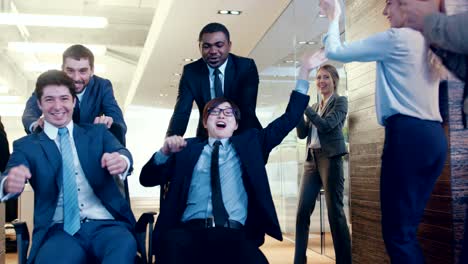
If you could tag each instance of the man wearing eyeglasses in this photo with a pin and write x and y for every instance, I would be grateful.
(219, 205)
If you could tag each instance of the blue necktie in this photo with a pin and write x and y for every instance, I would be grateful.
(71, 212)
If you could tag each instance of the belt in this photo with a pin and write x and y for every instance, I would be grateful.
(85, 220)
(209, 223)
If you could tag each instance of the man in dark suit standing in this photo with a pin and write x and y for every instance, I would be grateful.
(219, 205)
(217, 73)
(79, 212)
(4, 148)
(96, 102)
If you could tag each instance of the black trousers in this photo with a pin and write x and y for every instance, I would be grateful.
(207, 245)
(413, 157)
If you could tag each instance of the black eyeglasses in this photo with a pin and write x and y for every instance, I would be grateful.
(217, 111)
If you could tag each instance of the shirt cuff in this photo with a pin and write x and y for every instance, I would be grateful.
(160, 158)
(3, 196)
(31, 126)
(124, 174)
(302, 86)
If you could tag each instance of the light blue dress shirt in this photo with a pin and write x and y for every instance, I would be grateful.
(232, 187)
(404, 83)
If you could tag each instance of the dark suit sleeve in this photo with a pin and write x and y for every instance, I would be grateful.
(447, 32)
(4, 148)
(18, 157)
(111, 108)
(333, 118)
(302, 128)
(182, 109)
(276, 131)
(154, 175)
(31, 113)
(249, 90)
(111, 144)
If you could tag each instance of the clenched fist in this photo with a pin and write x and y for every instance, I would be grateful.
(16, 179)
(114, 163)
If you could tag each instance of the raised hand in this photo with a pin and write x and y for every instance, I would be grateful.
(310, 61)
(330, 8)
(173, 144)
(16, 179)
(114, 163)
(416, 10)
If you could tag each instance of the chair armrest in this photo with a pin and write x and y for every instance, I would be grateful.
(144, 229)
(22, 240)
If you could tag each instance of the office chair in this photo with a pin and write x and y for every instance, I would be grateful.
(143, 230)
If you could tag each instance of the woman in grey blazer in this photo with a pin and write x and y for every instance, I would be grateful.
(323, 166)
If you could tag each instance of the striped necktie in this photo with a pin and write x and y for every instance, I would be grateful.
(71, 212)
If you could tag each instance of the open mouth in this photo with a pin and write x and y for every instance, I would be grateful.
(220, 124)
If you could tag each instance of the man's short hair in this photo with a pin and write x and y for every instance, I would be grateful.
(53, 77)
(213, 103)
(78, 52)
(212, 28)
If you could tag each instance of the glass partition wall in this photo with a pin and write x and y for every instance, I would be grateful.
(298, 30)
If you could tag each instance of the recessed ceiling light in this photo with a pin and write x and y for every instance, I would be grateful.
(189, 60)
(306, 42)
(229, 12)
(177, 74)
(322, 16)
(53, 21)
(290, 61)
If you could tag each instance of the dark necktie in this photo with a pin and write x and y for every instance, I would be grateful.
(218, 87)
(219, 212)
(76, 111)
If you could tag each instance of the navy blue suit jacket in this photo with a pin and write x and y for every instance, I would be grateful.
(98, 99)
(40, 154)
(253, 147)
(240, 86)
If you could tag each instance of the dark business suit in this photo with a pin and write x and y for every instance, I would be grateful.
(98, 99)
(240, 86)
(40, 154)
(4, 148)
(324, 168)
(252, 147)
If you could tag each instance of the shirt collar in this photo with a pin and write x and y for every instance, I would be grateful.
(52, 131)
(80, 95)
(221, 68)
(225, 142)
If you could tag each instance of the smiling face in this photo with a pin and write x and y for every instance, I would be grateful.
(221, 121)
(57, 104)
(394, 13)
(325, 83)
(78, 70)
(215, 48)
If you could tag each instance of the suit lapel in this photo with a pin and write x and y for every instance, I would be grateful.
(81, 139)
(204, 81)
(329, 105)
(229, 74)
(52, 154)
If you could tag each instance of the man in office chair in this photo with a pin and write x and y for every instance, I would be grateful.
(219, 205)
(79, 213)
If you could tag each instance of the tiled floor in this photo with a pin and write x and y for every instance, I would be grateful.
(277, 253)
